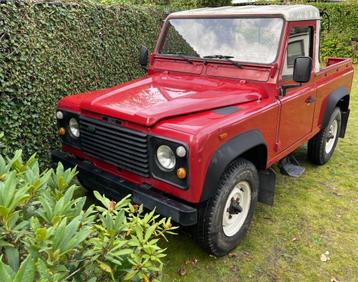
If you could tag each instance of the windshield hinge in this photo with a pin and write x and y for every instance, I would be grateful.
(273, 70)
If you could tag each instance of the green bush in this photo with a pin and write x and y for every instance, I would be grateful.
(46, 234)
(210, 3)
(336, 41)
(48, 51)
(170, 3)
(133, 2)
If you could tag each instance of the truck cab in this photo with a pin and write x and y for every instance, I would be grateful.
(228, 93)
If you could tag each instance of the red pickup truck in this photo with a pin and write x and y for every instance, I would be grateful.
(228, 93)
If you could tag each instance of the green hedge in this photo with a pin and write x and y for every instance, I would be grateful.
(172, 3)
(52, 50)
(48, 51)
(344, 25)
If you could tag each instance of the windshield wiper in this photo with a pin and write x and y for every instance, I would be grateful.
(223, 57)
(181, 55)
(218, 57)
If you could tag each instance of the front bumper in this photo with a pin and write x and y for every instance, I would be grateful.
(117, 188)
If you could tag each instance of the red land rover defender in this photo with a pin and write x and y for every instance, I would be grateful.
(229, 92)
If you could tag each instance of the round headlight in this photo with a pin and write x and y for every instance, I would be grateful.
(74, 127)
(166, 157)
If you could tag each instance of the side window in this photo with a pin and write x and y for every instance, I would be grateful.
(300, 43)
(294, 50)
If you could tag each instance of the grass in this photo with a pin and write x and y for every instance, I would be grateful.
(315, 213)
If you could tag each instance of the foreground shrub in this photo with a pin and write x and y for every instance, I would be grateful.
(46, 234)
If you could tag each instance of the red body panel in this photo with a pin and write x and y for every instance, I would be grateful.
(160, 96)
(176, 100)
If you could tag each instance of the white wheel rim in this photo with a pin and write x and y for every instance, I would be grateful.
(332, 135)
(232, 222)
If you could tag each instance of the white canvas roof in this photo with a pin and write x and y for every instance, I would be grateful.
(289, 12)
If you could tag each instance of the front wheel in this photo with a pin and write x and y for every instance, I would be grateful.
(224, 219)
(322, 146)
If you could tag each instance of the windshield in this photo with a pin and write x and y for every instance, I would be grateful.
(250, 40)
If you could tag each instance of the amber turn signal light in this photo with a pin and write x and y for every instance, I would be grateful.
(61, 131)
(181, 173)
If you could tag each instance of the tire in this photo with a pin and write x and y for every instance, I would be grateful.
(215, 231)
(321, 147)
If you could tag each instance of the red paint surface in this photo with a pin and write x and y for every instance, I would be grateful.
(176, 100)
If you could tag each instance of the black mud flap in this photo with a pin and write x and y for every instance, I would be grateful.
(267, 186)
(290, 166)
(345, 116)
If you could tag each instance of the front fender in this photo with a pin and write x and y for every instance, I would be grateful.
(226, 153)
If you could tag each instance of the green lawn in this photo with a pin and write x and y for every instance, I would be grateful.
(313, 214)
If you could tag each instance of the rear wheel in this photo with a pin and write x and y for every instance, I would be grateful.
(224, 219)
(321, 147)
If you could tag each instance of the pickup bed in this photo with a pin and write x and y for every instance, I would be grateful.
(228, 93)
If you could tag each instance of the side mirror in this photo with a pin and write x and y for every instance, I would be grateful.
(301, 73)
(302, 69)
(143, 57)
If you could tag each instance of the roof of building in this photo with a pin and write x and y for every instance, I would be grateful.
(289, 12)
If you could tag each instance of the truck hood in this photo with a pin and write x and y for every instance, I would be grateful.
(148, 100)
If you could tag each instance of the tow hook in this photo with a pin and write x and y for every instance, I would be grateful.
(234, 207)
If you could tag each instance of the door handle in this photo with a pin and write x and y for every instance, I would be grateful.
(310, 100)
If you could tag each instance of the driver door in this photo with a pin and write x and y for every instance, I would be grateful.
(298, 105)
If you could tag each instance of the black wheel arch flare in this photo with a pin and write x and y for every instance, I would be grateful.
(340, 98)
(227, 153)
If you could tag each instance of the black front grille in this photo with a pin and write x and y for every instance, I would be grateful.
(124, 148)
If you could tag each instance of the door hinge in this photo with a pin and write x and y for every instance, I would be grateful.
(277, 146)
